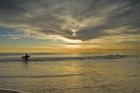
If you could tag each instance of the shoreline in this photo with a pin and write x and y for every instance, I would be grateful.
(8, 91)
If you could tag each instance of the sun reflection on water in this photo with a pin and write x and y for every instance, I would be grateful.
(73, 68)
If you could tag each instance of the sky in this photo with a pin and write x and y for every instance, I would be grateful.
(69, 25)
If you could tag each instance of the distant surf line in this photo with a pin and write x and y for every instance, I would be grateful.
(45, 76)
(117, 56)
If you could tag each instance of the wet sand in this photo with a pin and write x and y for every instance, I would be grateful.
(71, 76)
(8, 91)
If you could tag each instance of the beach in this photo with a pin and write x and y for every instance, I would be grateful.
(8, 91)
(89, 75)
(69, 46)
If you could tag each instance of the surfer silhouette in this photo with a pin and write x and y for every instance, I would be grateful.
(26, 57)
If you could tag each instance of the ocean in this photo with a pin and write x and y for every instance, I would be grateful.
(71, 73)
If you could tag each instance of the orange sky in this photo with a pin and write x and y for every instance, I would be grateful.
(69, 49)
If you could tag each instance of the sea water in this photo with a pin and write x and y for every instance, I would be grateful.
(68, 73)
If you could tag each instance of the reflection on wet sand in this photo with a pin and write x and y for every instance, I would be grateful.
(72, 76)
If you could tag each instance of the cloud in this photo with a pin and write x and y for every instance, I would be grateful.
(71, 20)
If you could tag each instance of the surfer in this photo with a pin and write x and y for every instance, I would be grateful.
(26, 57)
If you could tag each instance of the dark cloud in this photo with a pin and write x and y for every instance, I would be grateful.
(8, 4)
(91, 33)
(134, 1)
(11, 6)
(61, 17)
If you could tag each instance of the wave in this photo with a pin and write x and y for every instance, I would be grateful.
(53, 58)
(45, 76)
(9, 91)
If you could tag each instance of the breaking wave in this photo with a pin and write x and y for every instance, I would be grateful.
(16, 57)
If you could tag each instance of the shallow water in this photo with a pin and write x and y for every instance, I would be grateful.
(72, 76)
